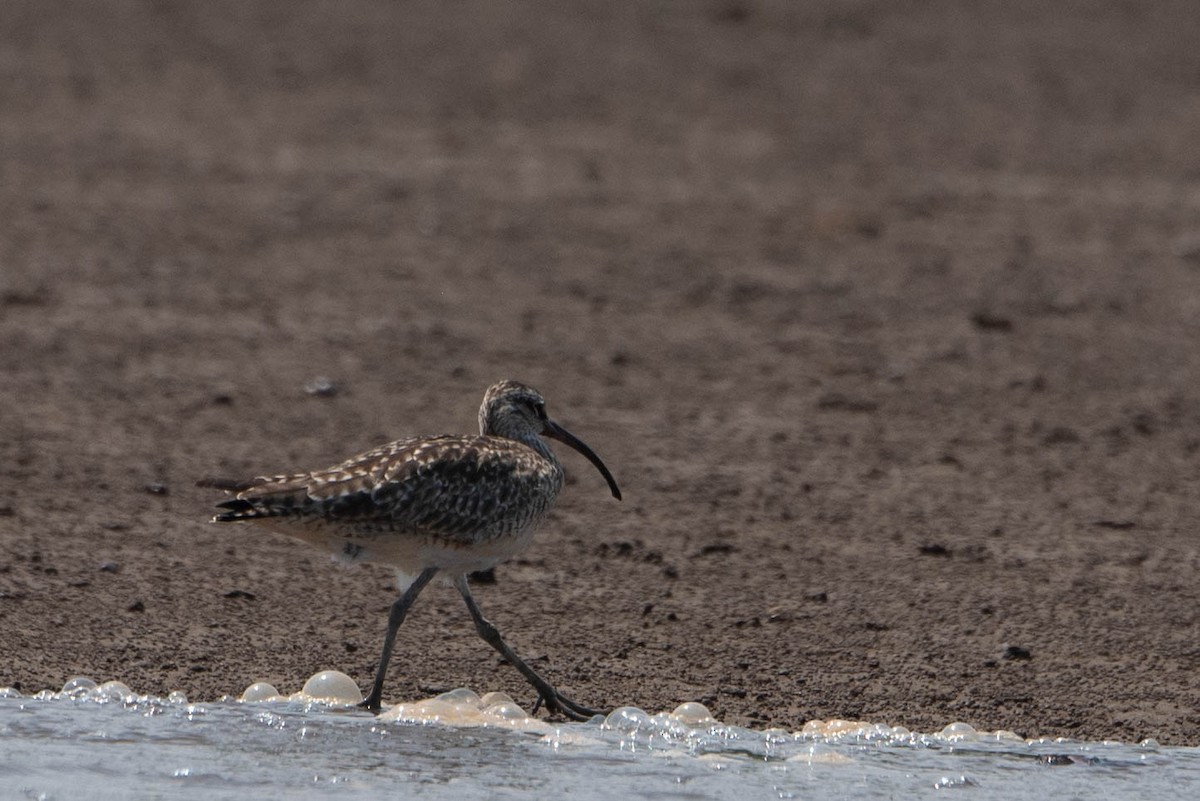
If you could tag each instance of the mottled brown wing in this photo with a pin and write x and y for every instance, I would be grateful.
(455, 487)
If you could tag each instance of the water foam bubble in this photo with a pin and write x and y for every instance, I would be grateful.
(494, 698)
(78, 686)
(434, 710)
(467, 697)
(332, 686)
(628, 719)
(693, 714)
(260, 691)
(464, 708)
(112, 691)
(960, 732)
(505, 711)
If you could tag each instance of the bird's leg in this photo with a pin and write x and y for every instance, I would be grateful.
(395, 618)
(554, 700)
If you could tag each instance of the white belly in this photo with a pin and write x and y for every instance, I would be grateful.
(410, 553)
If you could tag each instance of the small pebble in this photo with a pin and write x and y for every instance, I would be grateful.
(1017, 653)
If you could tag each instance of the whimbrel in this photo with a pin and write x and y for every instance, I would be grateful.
(448, 504)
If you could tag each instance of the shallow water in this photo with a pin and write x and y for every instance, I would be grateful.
(106, 742)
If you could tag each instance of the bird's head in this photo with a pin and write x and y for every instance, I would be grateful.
(513, 410)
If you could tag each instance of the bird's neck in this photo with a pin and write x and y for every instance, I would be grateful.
(538, 444)
(543, 447)
(525, 436)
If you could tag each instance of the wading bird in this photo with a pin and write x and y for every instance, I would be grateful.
(448, 504)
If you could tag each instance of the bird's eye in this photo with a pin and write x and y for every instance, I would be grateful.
(539, 409)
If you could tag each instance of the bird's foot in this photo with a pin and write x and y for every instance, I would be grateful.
(557, 703)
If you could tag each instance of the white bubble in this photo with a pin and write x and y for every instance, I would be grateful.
(431, 710)
(693, 714)
(495, 698)
(627, 718)
(260, 691)
(333, 686)
(835, 727)
(839, 726)
(78, 686)
(462, 696)
(114, 690)
(960, 731)
(177, 697)
(664, 721)
(506, 711)
(1006, 736)
(9, 692)
(464, 708)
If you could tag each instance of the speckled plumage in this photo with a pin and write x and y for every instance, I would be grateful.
(448, 503)
(402, 502)
(458, 503)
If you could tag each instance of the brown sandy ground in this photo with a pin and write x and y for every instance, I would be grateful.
(883, 313)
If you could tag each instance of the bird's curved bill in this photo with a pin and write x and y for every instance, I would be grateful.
(561, 434)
